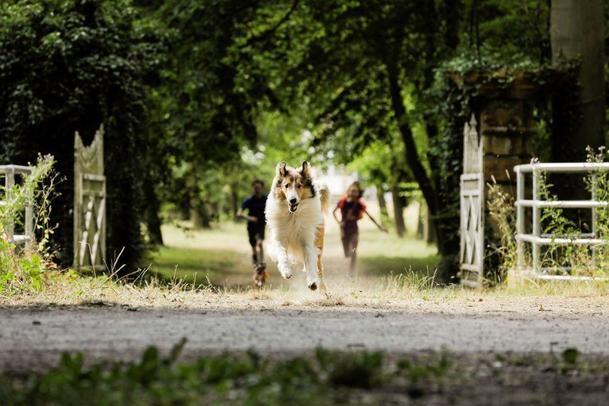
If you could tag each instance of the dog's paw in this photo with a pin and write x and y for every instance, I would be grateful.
(313, 284)
(285, 271)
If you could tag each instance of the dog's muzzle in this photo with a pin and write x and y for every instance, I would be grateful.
(292, 205)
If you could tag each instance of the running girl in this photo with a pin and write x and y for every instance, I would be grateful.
(352, 209)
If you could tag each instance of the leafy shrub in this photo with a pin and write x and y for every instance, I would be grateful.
(22, 270)
(329, 377)
(357, 370)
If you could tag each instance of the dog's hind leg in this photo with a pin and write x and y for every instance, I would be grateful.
(320, 275)
(319, 246)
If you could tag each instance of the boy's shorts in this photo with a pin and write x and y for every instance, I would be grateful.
(255, 232)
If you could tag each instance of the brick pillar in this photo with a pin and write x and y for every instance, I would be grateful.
(506, 129)
(498, 136)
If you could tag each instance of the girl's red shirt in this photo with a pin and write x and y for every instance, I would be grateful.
(359, 209)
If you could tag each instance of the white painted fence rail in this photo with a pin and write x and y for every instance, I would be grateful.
(536, 238)
(27, 238)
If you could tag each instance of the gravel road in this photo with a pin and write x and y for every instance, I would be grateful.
(33, 338)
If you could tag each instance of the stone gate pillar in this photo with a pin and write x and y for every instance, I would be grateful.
(498, 136)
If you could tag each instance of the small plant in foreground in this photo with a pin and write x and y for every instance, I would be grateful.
(358, 370)
(327, 377)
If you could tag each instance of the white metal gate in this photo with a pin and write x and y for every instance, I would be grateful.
(537, 238)
(26, 236)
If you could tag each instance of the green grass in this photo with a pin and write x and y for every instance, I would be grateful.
(193, 265)
(382, 266)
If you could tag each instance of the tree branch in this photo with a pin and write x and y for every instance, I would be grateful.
(266, 34)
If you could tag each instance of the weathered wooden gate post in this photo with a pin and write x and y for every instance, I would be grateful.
(497, 137)
(89, 203)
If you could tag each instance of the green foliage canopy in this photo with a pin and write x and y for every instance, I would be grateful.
(71, 65)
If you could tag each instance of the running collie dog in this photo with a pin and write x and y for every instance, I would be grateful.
(295, 216)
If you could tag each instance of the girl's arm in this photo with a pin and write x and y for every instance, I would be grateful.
(380, 226)
(334, 214)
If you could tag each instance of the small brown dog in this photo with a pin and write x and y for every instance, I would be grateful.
(260, 275)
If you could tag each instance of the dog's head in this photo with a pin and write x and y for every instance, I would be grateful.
(293, 185)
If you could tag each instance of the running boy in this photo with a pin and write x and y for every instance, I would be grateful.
(352, 209)
(256, 223)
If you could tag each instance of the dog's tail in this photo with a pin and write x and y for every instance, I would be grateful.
(324, 197)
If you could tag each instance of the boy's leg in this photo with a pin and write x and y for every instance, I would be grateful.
(253, 243)
(260, 245)
(260, 274)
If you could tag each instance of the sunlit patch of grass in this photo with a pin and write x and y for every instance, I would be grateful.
(380, 265)
(519, 286)
(193, 265)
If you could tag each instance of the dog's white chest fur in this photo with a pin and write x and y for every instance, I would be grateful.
(296, 230)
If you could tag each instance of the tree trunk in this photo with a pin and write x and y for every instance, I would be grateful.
(439, 196)
(234, 200)
(429, 234)
(452, 16)
(199, 214)
(577, 33)
(412, 155)
(153, 220)
(380, 194)
(419, 227)
(184, 209)
(398, 211)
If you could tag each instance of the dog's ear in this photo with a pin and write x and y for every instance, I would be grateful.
(281, 170)
(305, 170)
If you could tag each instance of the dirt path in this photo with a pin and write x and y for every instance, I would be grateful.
(34, 338)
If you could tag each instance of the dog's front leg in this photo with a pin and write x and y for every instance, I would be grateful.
(310, 261)
(278, 247)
